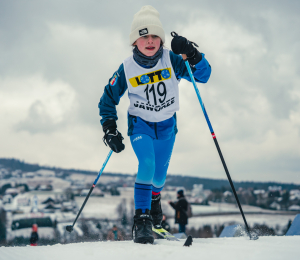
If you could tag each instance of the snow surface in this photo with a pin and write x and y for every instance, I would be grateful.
(210, 248)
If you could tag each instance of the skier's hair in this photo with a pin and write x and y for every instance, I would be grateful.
(161, 43)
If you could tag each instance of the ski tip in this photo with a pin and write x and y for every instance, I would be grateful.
(188, 241)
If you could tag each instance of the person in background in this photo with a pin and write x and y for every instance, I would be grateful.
(34, 235)
(114, 234)
(181, 207)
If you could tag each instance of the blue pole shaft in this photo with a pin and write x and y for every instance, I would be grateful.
(93, 186)
(217, 145)
(199, 97)
(103, 166)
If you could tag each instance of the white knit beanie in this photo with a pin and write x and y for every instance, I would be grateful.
(146, 21)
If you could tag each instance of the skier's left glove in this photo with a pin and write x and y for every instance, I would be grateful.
(112, 137)
(181, 45)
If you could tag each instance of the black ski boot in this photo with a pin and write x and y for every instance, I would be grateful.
(142, 227)
(156, 211)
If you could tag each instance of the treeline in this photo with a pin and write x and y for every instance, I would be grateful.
(15, 164)
(172, 180)
(223, 185)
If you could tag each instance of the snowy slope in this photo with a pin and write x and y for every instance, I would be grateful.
(213, 248)
(106, 207)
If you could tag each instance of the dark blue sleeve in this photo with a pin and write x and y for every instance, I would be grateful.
(113, 91)
(201, 70)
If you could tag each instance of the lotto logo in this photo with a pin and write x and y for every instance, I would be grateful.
(152, 77)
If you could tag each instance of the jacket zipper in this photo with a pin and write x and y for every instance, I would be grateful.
(155, 129)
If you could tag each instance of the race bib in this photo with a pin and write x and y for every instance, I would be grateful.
(153, 93)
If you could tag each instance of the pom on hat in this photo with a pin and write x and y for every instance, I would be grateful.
(146, 21)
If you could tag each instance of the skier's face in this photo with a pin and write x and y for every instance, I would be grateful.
(148, 44)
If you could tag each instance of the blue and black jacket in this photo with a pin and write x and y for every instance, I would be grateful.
(117, 86)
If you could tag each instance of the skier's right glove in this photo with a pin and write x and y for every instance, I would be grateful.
(112, 137)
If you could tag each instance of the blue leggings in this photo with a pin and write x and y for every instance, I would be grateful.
(154, 157)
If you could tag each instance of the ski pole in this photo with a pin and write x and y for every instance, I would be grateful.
(70, 227)
(218, 148)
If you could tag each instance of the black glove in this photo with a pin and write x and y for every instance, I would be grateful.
(181, 45)
(112, 137)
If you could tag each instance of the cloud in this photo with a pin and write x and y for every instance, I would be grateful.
(51, 105)
(58, 57)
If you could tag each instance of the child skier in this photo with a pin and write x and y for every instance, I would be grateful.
(151, 76)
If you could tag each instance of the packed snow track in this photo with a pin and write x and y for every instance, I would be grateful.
(212, 248)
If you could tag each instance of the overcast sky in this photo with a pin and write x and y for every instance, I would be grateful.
(57, 56)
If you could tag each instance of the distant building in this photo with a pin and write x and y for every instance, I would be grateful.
(199, 195)
(21, 225)
(16, 173)
(275, 205)
(227, 193)
(12, 191)
(45, 173)
(47, 187)
(294, 194)
(294, 207)
(28, 175)
(274, 188)
(259, 192)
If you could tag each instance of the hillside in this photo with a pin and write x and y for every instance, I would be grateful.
(172, 180)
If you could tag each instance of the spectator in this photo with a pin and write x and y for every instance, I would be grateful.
(34, 235)
(181, 207)
(114, 234)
